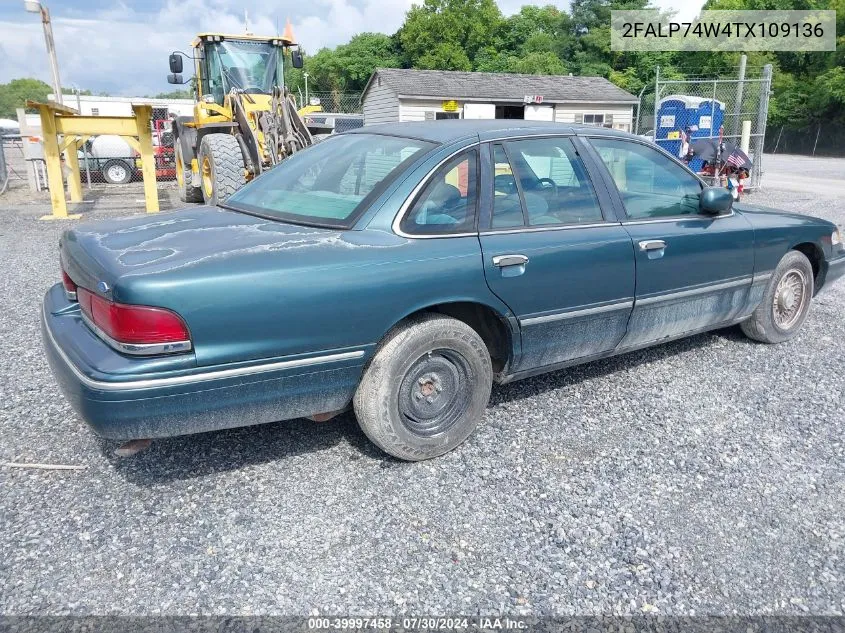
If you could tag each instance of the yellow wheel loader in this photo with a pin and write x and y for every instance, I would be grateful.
(244, 122)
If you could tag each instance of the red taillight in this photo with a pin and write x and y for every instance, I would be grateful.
(132, 324)
(70, 287)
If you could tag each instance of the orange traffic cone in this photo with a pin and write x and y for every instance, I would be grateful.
(288, 34)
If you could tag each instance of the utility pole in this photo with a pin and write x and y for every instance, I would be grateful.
(305, 76)
(35, 6)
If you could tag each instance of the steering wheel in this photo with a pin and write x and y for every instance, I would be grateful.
(548, 186)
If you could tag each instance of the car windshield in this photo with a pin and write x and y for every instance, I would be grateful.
(331, 183)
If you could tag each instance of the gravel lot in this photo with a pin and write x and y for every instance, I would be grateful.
(702, 476)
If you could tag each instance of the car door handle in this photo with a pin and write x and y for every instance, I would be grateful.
(652, 245)
(509, 260)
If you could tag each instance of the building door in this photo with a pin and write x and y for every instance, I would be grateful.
(565, 271)
(693, 270)
(479, 110)
(539, 113)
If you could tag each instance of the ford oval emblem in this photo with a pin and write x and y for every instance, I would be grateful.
(103, 287)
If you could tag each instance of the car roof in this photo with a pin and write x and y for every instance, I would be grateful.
(450, 130)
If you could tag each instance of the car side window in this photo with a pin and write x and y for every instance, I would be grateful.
(554, 183)
(651, 185)
(447, 204)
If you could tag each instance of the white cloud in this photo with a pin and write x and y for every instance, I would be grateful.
(124, 51)
(685, 10)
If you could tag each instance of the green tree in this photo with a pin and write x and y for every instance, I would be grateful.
(537, 28)
(15, 94)
(538, 63)
(362, 55)
(347, 67)
(445, 56)
(448, 33)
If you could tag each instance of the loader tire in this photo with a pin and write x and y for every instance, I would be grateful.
(187, 192)
(221, 167)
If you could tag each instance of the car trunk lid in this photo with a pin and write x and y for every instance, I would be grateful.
(99, 255)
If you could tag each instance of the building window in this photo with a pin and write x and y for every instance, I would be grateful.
(446, 115)
(600, 120)
(95, 111)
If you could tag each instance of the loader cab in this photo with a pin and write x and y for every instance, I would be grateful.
(241, 63)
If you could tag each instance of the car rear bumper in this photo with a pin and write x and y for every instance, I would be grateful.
(125, 403)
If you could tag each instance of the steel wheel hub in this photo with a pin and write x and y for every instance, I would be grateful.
(207, 183)
(434, 393)
(116, 172)
(789, 299)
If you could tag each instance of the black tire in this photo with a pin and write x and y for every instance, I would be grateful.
(187, 192)
(117, 171)
(221, 167)
(791, 286)
(425, 389)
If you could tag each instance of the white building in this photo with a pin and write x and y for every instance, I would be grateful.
(92, 105)
(393, 94)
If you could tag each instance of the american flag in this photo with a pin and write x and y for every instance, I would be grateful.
(738, 158)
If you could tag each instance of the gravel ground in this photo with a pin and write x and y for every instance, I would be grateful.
(705, 476)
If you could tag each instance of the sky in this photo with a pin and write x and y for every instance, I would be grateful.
(121, 46)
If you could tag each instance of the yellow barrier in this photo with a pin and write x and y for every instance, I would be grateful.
(63, 130)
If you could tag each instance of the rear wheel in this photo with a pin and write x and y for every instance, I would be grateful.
(221, 167)
(785, 303)
(117, 172)
(425, 389)
(187, 192)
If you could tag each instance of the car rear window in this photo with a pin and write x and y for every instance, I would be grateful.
(330, 183)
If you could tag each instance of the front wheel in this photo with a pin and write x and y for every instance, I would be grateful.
(425, 389)
(785, 303)
(221, 167)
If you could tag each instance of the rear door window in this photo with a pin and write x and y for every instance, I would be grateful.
(448, 202)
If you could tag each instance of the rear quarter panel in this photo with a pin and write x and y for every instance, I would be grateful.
(370, 280)
(271, 291)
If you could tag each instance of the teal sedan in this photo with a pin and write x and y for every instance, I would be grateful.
(402, 269)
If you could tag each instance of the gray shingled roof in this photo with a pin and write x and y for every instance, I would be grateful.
(450, 84)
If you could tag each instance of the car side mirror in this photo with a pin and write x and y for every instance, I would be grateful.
(296, 58)
(174, 79)
(716, 201)
(175, 63)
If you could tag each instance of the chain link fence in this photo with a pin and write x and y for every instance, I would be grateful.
(109, 160)
(12, 164)
(110, 168)
(820, 139)
(734, 109)
(106, 161)
(336, 102)
(4, 169)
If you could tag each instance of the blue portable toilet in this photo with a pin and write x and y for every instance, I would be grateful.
(676, 113)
